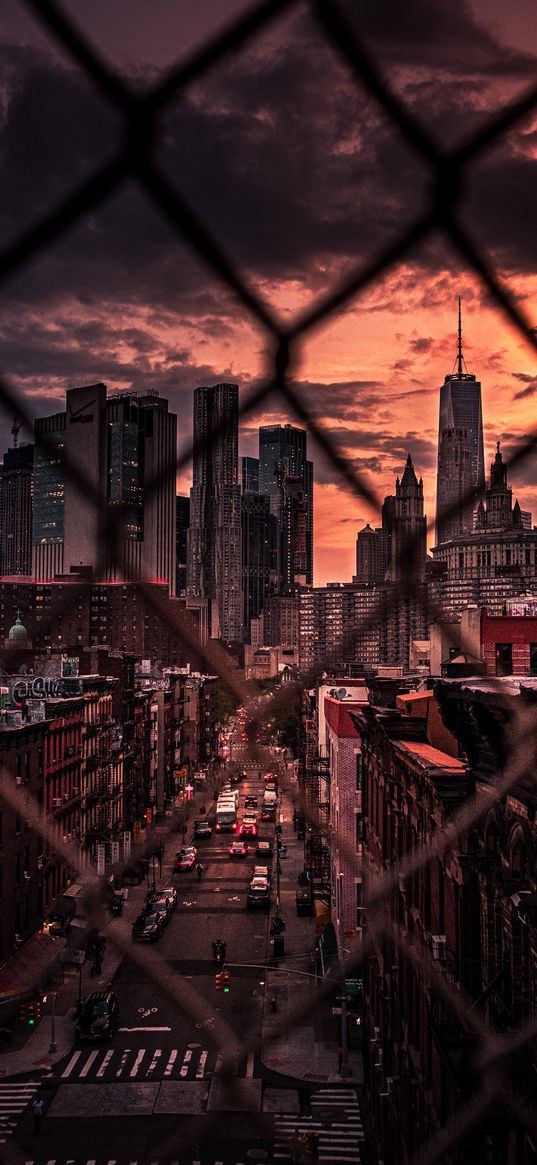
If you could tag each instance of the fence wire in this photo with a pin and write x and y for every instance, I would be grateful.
(136, 159)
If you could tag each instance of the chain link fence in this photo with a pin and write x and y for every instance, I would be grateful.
(136, 159)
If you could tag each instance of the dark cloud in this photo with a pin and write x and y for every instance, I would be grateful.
(422, 344)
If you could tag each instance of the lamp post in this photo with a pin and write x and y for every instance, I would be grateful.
(52, 1046)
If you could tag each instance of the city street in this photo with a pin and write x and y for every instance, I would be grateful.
(157, 1092)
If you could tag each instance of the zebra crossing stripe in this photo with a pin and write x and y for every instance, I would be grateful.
(71, 1065)
(103, 1068)
(186, 1061)
(201, 1066)
(92, 1056)
(169, 1066)
(123, 1061)
(156, 1056)
(139, 1057)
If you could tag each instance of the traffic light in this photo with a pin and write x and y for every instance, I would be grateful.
(30, 1013)
(227, 981)
(219, 980)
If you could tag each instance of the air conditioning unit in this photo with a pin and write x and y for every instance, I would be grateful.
(57, 802)
(402, 883)
(26, 876)
(376, 1036)
(18, 780)
(75, 791)
(40, 862)
(388, 1089)
(66, 796)
(439, 947)
(378, 1062)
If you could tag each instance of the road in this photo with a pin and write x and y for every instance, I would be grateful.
(157, 1092)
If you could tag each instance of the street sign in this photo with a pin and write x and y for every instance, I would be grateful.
(115, 852)
(336, 1011)
(126, 843)
(101, 850)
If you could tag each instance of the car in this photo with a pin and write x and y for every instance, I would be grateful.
(259, 882)
(263, 851)
(250, 818)
(262, 872)
(248, 828)
(202, 829)
(258, 898)
(271, 788)
(268, 813)
(268, 776)
(99, 1017)
(185, 859)
(150, 929)
(250, 802)
(159, 906)
(170, 893)
(238, 849)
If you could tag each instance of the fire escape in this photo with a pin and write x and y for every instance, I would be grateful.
(316, 844)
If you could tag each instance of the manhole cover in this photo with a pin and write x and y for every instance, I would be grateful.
(257, 1154)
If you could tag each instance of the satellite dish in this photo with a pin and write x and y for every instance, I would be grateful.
(341, 693)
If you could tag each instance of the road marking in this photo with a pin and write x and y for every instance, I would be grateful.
(102, 1070)
(169, 1066)
(137, 1062)
(92, 1056)
(156, 1056)
(123, 1061)
(71, 1065)
(144, 1029)
(250, 1064)
(201, 1065)
(186, 1061)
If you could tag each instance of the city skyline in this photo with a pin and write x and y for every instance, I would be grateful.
(101, 309)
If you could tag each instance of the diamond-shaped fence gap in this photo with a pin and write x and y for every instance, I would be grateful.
(424, 69)
(282, 154)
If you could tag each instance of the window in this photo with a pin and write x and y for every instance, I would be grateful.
(358, 771)
(504, 659)
(533, 659)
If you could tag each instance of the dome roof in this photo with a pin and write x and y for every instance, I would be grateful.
(17, 631)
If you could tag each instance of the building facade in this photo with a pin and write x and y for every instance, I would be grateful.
(214, 537)
(460, 455)
(16, 502)
(282, 458)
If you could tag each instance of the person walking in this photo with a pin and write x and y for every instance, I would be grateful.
(38, 1108)
(199, 870)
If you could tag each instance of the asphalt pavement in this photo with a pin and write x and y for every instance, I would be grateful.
(192, 1074)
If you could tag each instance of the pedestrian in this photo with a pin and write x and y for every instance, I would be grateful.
(38, 1108)
(199, 871)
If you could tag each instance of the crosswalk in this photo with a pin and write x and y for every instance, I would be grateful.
(138, 1064)
(335, 1117)
(14, 1098)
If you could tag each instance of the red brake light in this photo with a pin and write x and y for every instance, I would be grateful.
(217, 826)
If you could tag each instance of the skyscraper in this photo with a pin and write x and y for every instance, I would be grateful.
(250, 475)
(181, 534)
(461, 413)
(214, 569)
(17, 479)
(125, 447)
(259, 555)
(282, 455)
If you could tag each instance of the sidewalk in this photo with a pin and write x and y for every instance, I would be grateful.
(33, 1053)
(307, 1050)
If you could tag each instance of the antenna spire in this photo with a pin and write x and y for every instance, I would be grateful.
(459, 350)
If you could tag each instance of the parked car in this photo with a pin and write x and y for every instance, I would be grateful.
(99, 1017)
(258, 898)
(170, 893)
(185, 859)
(149, 929)
(202, 829)
(159, 906)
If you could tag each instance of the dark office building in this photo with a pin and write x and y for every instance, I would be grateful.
(16, 484)
(124, 446)
(283, 454)
(181, 533)
(259, 555)
(250, 475)
(461, 414)
(215, 538)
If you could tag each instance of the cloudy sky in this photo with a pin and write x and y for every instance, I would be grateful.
(301, 177)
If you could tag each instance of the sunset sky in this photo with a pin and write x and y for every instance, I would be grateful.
(301, 177)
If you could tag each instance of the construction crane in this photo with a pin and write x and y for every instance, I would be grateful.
(15, 430)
